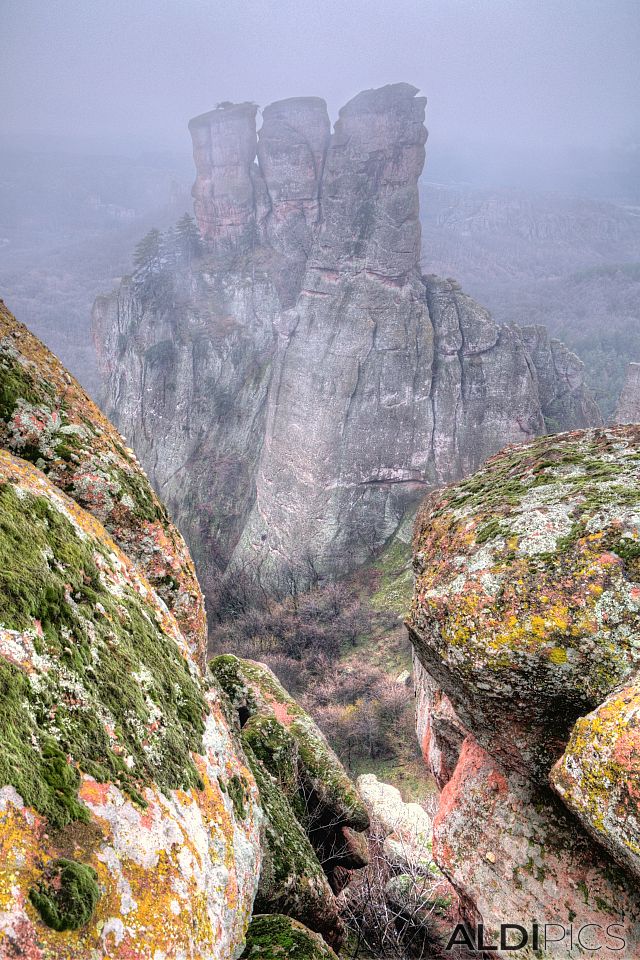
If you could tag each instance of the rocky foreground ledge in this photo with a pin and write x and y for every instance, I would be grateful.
(147, 806)
(526, 629)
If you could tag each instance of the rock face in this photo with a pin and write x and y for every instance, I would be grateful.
(47, 418)
(310, 804)
(524, 623)
(293, 391)
(628, 409)
(117, 825)
(135, 817)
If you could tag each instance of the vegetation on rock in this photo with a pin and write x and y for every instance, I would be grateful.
(281, 938)
(47, 418)
(67, 896)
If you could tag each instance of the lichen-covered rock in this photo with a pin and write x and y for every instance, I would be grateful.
(598, 776)
(48, 419)
(294, 740)
(281, 938)
(292, 880)
(312, 808)
(314, 812)
(525, 626)
(129, 820)
(527, 599)
(514, 853)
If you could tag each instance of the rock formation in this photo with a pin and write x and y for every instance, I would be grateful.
(298, 387)
(628, 408)
(524, 623)
(141, 810)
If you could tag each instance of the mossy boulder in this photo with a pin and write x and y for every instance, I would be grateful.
(526, 608)
(129, 819)
(292, 880)
(47, 418)
(313, 809)
(598, 776)
(281, 938)
(258, 697)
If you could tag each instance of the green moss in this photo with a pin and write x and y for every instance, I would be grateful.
(68, 895)
(227, 670)
(106, 657)
(236, 788)
(319, 768)
(15, 384)
(277, 937)
(490, 530)
(291, 873)
(136, 487)
(274, 746)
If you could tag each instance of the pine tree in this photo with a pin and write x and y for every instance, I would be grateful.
(189, 237)
(146, 256)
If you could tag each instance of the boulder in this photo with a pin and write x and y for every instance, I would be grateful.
(405, 827)
(527, 597)
(48, 419)
(598, 775)
(315, 816)
(514, 855)
(277, 937)
(524, 624)
(128, 814)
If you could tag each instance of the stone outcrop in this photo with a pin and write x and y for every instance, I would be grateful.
(297, 388)
(313, 810)
(628, 408)
(46, 417)
(117, 825)
(524, 624)
(137, 818)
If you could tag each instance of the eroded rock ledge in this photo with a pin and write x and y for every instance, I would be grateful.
(525, 627)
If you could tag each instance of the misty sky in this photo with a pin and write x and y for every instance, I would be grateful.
(542, 74)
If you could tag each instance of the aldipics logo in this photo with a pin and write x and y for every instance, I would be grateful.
(553, 937)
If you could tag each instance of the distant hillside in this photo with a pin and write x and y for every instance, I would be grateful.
(68, 225)
(570, 263)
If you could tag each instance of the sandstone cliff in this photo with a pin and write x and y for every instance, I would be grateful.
(145, 808)
(524, 624)
(300, 385)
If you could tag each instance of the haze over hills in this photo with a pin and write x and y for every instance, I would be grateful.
(572, 263)
(528, 252)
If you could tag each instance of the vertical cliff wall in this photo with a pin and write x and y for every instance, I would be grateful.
(298, 386)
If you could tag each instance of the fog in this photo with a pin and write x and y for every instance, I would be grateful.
(515, 87)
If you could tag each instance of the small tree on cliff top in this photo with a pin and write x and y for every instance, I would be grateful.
(188, 237)
(147, 254)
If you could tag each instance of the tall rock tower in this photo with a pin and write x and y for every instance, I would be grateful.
(297, 388)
